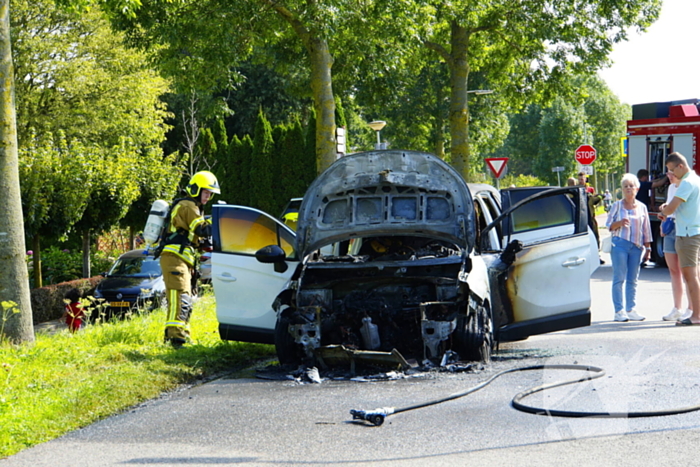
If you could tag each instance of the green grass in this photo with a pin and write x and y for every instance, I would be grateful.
(67, 381)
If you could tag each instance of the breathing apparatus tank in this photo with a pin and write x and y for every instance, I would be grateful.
(155, 222)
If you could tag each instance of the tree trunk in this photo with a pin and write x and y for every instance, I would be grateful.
(459, 109)
(439, 124)
(321, 85)
(36, 259)
(324, 103)
(14, 281)
(132, 238)
(86, 254)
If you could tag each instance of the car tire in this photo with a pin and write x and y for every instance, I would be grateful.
(474, 333)
(285, 346)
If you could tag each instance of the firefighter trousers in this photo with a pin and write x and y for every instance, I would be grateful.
(177, 276)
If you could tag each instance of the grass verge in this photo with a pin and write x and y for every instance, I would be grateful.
(67, 381)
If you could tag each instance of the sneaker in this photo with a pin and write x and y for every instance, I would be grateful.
(688, 313)
(621, 316)
(674, 315)
(634, 316)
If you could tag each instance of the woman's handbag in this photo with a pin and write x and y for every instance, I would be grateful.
(668, 226)
(606, 243)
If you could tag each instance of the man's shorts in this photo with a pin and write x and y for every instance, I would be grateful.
(687, 249)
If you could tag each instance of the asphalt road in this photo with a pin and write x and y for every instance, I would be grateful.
(242, 420)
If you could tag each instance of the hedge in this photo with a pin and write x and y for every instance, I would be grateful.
(47, 302)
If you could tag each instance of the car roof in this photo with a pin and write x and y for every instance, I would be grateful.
(135, 254)
(479, 187)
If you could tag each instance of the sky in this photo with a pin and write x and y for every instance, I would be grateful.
(661, 64)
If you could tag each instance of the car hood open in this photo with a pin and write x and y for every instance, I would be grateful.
(386, 193)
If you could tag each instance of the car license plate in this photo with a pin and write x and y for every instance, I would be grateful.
(119, 304)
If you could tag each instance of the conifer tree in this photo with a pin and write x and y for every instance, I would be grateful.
(261, 195)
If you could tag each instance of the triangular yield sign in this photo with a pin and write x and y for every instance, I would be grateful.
(496, 164)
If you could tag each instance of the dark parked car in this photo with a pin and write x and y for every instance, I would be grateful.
(135, 280)
(395, 257)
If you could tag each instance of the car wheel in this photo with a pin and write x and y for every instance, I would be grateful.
(474, 333)
(285, 346)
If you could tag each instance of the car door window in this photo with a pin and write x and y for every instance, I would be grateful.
(246, 231)
(543, 219)
(489, 211)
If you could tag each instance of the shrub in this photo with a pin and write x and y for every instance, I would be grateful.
(47, 302)
(60, 265)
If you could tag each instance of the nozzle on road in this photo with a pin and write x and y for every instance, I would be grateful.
(375, 417)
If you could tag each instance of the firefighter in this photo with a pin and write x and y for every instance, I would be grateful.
(186, 231)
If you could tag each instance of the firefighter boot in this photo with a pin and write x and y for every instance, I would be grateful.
(177, 326)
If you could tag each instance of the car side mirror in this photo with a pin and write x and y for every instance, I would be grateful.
(272, 254)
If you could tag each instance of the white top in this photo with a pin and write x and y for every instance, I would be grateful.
(670, 193)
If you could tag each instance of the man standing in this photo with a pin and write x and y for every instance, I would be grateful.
(187, 226)
(583, 181)
(686, 205)
(646, 188)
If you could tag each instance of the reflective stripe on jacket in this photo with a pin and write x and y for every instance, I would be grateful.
(185, 218)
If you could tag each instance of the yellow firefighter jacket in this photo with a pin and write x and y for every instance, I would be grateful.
(186, 221)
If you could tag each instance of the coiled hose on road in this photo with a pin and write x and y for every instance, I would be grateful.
(377, 416)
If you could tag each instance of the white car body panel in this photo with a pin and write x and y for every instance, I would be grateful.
(550, 278)
(245, 289)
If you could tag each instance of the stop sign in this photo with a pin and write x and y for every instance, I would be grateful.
(585, 154)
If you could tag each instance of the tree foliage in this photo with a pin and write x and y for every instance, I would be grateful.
(545, 137)
(527, 50)
(80, 82)
(260, 183)
(75, 76)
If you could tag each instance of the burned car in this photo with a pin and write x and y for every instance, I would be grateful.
(395, 257)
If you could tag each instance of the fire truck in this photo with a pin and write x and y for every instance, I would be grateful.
(656, 130)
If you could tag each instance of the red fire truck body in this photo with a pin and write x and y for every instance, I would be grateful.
(656, 130)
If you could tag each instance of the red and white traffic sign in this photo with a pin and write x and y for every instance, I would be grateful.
(586, 154)
(497, 165)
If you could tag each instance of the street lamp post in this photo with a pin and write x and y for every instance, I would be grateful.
(377, 126)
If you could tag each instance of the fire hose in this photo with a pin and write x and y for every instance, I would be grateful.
(377, 416)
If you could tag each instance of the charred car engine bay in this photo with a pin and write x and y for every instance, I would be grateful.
(398, 296)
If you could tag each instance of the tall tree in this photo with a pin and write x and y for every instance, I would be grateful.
(560, 133)
(260, 184)
(114, 189)
(76, 78)
(56, 181)
(525, 48)
(75, 75)
(545, 137)
(14, 283)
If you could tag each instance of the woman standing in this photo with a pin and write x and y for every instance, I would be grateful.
(628, 222)
(671, 257)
